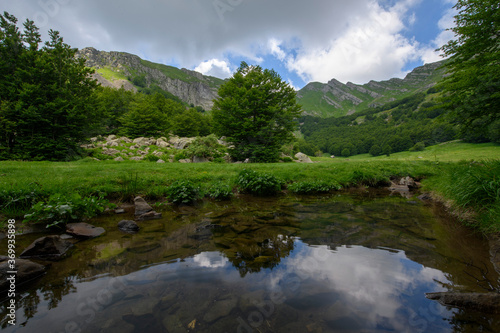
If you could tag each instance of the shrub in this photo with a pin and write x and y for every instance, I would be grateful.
(62, 209)
(310, 187)
(419, 146)
(207, 147)
(17, 201)
(220, 192)
(261, 184)
(182, 192)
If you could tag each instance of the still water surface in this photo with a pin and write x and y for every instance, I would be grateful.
(343, 263)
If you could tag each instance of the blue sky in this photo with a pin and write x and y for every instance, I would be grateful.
(317, 40)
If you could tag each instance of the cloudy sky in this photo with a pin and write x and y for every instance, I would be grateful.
(304, 41)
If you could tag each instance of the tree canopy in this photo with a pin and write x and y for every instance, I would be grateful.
(46, 104)
(473, 87)
(256, 111)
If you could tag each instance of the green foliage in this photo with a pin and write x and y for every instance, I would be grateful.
(18, 201)
(61, 209)
(375, 150)
(182, 192)
(220, 192)
(207, 147)
(345, 152)
(386, 150)
(46, 95)
(257, 183)
(419, 146)
(190, 123)
(312, 187)
(474, 185)
(256, 111)
(472, 90)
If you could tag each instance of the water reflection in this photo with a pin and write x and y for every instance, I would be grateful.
(297, 265)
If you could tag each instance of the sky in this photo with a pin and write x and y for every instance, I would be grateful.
(304, 41)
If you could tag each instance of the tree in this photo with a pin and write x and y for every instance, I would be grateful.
(375, 150)
(256, 111)
(473, 88)
(46, 95)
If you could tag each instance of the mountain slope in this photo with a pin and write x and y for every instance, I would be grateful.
(338, 99)
(119, 69)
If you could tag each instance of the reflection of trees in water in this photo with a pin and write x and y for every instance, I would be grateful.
(266, 253)
(52, 292)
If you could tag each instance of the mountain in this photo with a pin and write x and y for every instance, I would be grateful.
(120, 69)
(338, 99)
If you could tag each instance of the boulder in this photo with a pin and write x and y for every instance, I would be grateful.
(138, 140)
(180, 143)
(185, 161)
(197, 159)
(162, 143)
(113, 143)
(136, 158)
(141, 206)
(111, 137)
(149, 216)
(408, 181)
(302, 158)
(483, 302)
(49, 247)
(160, 161)
(128, 226)
(119, 159)
(110, 152)
(125, 139)
(26, 271)
(84, 230)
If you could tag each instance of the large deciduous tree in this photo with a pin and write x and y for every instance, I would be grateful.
(473, 88)
(256, 111)
(46, 102)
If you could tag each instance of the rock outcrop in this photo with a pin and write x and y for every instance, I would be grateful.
(143, 211)
(191, 87)
(26, 271)
(47, 248)
(482, 302)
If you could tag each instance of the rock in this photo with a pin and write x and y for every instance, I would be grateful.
(403, 190)
(138, 140)
(180, 143)
(220, 309)
(197, 159)
(119, 211)
(302, 158)
(84, 230)
(119, 159)
(425, 197)
(128, 226)
(125, 139)
(483, 302)
(185, 161)
(114, 143)
(160, 161)
(49, 247)
(141, 206)
(111, 137)
(136, 158)
(26, 271)
(110, 152)
(149, 216)
(162, 143)
(408, 181)
(157, 153)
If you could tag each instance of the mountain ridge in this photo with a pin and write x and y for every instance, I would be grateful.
(334, 98)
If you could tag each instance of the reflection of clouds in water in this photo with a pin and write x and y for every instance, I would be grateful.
(210, 260)
(371, 282)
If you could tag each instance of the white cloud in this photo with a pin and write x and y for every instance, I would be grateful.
(370, 47)
(274, 47)
(215, 67)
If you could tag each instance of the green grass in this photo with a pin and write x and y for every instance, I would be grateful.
(110, 75)
(453, 151)
(478, 190)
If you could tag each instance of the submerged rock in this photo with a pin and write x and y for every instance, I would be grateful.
(49, 247)
(483, 302)
(128, 226)
(84, 230)
(26, 271)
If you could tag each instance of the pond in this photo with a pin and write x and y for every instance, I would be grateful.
(349, 262)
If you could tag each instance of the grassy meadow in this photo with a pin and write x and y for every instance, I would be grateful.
(466, 174)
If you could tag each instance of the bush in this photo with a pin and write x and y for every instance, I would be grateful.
(18, 201)
(419, 146)
(182, 192)
(207, 147)
(220, 192)
(62, 209)
(261, 184)
(311, 187)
